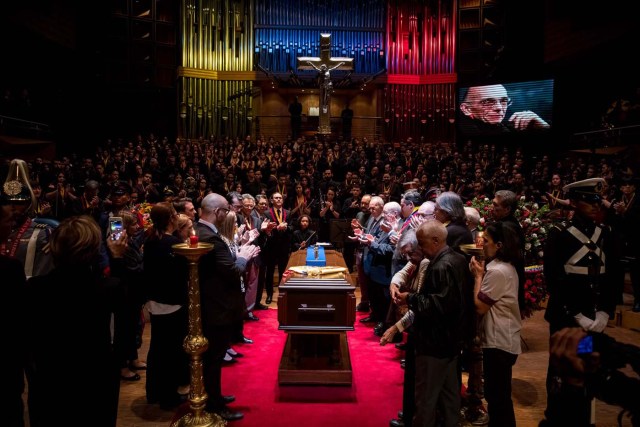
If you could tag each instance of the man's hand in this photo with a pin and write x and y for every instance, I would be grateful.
(394, 290)
(401, 298)
(563, 356)
(523, 120)
(388, 335)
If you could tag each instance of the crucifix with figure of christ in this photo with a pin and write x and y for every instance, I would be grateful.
(324, 65)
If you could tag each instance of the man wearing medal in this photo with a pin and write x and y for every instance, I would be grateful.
(29, 239)
(278, 242)
(27, 242)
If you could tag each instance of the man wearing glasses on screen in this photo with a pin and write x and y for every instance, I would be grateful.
(484, 110)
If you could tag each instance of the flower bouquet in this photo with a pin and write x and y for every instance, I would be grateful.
(143, 211)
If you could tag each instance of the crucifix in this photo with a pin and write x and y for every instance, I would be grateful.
(324, 65)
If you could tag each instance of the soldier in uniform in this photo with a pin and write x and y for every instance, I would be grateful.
(28, 239)
(577, 273)
(28, 243)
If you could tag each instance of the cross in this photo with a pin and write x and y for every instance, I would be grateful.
(324, 65)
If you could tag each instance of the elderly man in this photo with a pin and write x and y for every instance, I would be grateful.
(441, 308)
(377, 263)
(371, 228)
(221, 298)
(408, 279)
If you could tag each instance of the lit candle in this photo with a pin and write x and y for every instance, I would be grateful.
(193, 240)
(479, 239)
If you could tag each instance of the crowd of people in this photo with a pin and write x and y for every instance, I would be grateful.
(403, 209)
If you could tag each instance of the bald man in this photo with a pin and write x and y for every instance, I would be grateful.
(442, 308)
(484, 110)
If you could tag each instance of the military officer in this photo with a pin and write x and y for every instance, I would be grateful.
(577, 272)
(29, 239)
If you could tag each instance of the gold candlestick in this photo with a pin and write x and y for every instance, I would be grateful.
(195, 343)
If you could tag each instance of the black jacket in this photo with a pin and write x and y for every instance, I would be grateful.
(442, 307)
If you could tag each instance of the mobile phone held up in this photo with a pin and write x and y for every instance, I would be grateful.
(115, 227)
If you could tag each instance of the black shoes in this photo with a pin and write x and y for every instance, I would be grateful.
(268, 300)
(226, 413)
(228, 399)
(363, 307)
(251, 316)
(379, 329)
(246, 340)
(396, 423)
(367, 319)
(260, 306)
(402, 363)
(134, 377)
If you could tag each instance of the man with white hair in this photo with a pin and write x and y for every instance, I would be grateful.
(473, 220)
(378, 263)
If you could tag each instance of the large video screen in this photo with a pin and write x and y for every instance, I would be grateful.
(522, 107)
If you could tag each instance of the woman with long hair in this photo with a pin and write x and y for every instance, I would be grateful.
(166, 279)
(496, 300)
(228, 231)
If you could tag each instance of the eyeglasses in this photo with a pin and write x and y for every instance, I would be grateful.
(492, 102)
(408, 254)
(225, 210)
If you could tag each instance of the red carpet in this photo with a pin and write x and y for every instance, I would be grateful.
(372, 400)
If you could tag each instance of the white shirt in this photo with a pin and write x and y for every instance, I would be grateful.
(501, 325)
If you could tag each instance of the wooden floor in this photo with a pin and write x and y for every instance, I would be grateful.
(529, 373)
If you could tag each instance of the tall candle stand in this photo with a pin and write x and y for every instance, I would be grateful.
(195, 343)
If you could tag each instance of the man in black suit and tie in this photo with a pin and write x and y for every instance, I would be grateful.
(221, 298)
(278, 243)
(372, 228)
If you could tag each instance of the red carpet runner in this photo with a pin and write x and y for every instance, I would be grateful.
(373, 399)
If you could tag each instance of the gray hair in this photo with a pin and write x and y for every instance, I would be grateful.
(247, 196)
(451, 203)
(473, 216)
(392, 207)
(408, 238)
(508, 199)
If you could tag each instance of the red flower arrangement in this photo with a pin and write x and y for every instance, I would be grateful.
(535, 291)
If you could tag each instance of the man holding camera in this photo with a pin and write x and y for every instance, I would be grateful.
(578, 275)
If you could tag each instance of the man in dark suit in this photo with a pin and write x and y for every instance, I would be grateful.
(221, 297)
(278, 243)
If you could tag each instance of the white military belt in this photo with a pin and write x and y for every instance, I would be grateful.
(570, 267)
